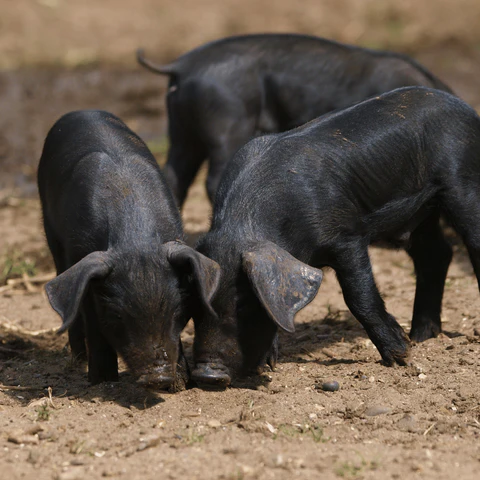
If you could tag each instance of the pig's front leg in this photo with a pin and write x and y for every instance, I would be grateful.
(76, 338)
(102, 358)
(354, 272)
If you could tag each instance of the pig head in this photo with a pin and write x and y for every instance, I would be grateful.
(262, 288)
(139, 302)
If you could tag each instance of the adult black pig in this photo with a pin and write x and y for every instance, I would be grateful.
(319, 195)
(226, 92)
(116, 238)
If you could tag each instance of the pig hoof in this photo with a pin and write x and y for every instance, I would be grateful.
(394, 347)
(399, 356)
(95, 379)
(424, 332)
(211, 374)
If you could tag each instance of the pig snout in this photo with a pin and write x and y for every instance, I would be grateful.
(165, 375)
(160, 376)
(212, 374)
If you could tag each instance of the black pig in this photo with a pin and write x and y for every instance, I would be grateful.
(290, 203)
(226, 92)
(115, 234)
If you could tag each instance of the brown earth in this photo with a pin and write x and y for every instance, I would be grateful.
(421, 421)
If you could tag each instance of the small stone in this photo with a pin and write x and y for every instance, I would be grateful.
(20, 438)
(33, 456)
(476, 332)
(422, 376)
(313, 416)
(230, 451)
(148, 442)
(34, 430)
(76, 473)
(330, 386)
(353, 409)
(375, 410)
(329, 353)
(47, 435)
(408, 423)
(371, 379)
(247, 470)
(214, 423)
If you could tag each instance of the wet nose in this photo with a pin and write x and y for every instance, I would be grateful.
(211, 375)
(160, 377)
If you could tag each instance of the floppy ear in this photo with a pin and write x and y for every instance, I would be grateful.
(66, 292)
(283, 284)
(205, 272)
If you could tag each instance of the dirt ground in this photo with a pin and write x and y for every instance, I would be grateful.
(421, 421)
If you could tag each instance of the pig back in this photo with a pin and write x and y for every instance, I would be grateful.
(98, 178)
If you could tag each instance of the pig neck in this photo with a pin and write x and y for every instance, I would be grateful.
(141, 228)
(229, 240)
(226, 246)
(136, 204)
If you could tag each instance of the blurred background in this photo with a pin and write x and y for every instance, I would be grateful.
(59, 55)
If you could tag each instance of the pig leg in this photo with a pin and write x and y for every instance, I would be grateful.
(431, 256)
(462, 205)
(76, 333)
(234, 134)
(354, 272)
(471, 237)
(76, 339)
(102, 358)
(184, 160)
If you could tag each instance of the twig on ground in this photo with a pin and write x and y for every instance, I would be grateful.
(427, 431)
(27, 282)
(21, 388)
(15, 328)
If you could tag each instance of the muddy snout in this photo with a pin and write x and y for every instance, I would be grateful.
(164, 375)
(212, 375)
(161, 376)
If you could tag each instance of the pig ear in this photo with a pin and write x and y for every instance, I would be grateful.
(283, 284)
(205, 272)
(66, 292)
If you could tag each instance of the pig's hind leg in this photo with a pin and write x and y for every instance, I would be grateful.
(228, 125)
(185, 157)
(233, 134)
(431, 256)
(461, 204)
(354, 272)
